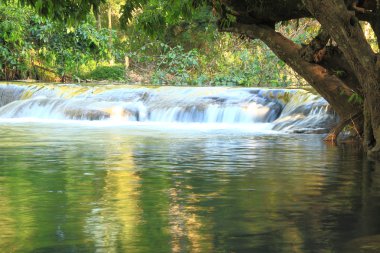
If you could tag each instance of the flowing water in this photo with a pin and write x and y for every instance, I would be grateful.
(110, 169)
(281, 109)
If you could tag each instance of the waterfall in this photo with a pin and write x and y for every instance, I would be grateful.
(291, 110)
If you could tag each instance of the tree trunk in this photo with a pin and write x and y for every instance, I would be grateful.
(110, 40)
(353, 54)
(99, 19)
(334, 16)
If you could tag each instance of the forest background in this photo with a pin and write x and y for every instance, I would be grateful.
(156, 47)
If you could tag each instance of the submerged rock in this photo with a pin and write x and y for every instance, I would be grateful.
(366, 244)
(10, 93)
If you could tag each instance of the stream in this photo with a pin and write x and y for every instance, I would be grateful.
(171, 169)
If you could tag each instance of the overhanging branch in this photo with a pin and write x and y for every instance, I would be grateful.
(331, 87)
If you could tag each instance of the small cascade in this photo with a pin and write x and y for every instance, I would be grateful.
(291, 110)
(10, 93)
(305, 112)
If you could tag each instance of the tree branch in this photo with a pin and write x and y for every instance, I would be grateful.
(349, 37)
(334, 90)
(315, 47)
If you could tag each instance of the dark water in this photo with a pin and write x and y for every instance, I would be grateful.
(71, 188)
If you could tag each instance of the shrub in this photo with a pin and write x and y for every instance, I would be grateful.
(116, 72)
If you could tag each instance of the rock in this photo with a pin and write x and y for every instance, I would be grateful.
(80, 114)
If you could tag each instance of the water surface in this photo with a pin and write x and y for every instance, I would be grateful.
(70, 187)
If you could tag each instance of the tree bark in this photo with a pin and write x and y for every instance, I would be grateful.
(363, 61)
(110, 41)
(353, 56)
(99, 19)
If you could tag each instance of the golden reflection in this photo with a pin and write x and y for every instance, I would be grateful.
(186, 225)
(256, 109)
(294, 236)
(115, 220)
(118, 113)
(17, 223)
(8, 223)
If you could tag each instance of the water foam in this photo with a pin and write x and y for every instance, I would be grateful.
(216, 107)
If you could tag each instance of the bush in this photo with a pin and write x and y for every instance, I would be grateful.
(115, 73)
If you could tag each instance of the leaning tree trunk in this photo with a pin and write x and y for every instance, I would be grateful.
(340, 23)
(257, 19)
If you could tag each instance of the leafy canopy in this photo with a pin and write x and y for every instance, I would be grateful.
(67, 10)
(72, 11)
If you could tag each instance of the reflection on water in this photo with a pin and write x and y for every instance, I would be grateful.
(76, 188)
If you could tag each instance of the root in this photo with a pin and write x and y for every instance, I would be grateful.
(374, 153)
(334, 133)
(331, 137)
(356, 129)
(354, 120)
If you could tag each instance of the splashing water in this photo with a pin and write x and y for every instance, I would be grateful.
(291, 110)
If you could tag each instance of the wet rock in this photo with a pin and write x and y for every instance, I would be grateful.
(80, 114)
(10, 93)
(123, 94)
(275, 111)
(218, 100)
(260, 100)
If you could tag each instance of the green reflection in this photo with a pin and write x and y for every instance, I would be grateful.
(82, 189)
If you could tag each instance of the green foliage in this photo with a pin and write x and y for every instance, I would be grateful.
(177, 64)
(116, 72)
(69, 11)
(156, 14)
(249, 64)
(300, 31)
(167, 42)
(129, 7)
(27, 41)
(67, 48)
(244, 64)
(14, 48)
(163, 19)
(356, 99)
(228, 80)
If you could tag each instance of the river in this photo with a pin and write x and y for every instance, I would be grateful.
(111, 185)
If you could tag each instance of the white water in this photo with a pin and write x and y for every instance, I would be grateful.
(216, 107)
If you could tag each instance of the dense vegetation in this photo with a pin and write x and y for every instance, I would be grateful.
(35, 47)
(97, 47)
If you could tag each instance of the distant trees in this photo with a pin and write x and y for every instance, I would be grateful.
(161, 47)
(30, 45)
